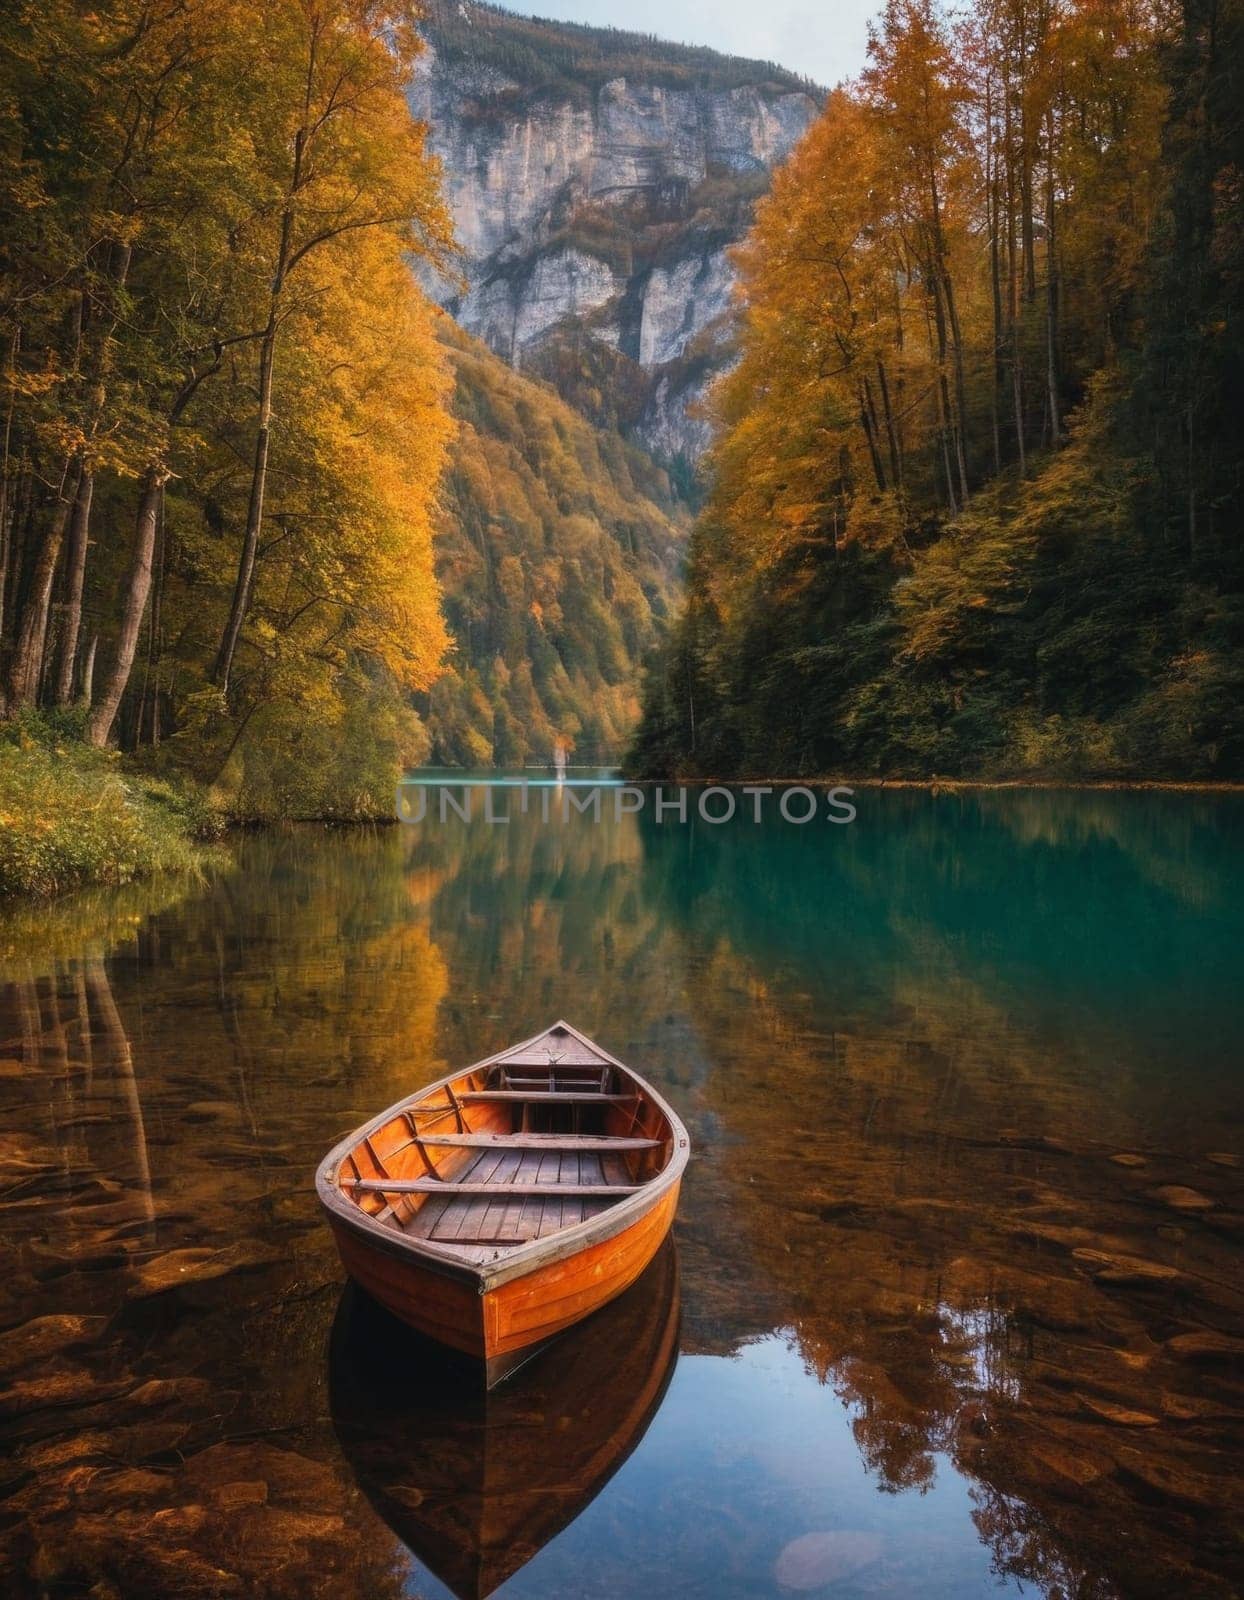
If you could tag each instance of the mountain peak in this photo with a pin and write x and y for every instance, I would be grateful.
(541, 53)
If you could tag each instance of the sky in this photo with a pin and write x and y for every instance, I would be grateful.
(824, 41)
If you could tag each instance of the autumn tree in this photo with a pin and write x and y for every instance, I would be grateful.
(338, 156)
(214, 211)
(973, 500)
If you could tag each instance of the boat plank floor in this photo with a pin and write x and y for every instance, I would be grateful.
(477, 1224)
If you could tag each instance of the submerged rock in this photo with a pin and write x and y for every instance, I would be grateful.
(48, 1455)
(1121, 1416)
(198, 1264)
(44, 1337)
(1069, 1461)
(163, 1391)
(288, 1475)
(1120, 1269)
(1206, 1345)
(233, 1496)
(816, 1559)
(1181, 1198)
(75, 1388)
(1170, 1479)
(131, 1483)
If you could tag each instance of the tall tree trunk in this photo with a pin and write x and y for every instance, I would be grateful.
(7, 497)
(1025, 222)
(896, 456)
(1017, 387)
(93, 339)
(75, 575)
(1051, 295)
(868, 420)
(961, 400)
(267, 366)
(941, 396)
(992, 206)
(133, 605)
(1012, 288)
(20, 535)
(946, 315)
(27, 663)
(88, 673)
(1025, 165)
(151, 683)
(254, 512)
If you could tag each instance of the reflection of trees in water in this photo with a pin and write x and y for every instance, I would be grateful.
(911, 1147)
(168, 1293)
(530, 913)
(873, 989)
(112, 1060)
(80, 1103)
(1027, 1545)
(1049, 918)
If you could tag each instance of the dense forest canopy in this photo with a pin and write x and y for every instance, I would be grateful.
(975, 502)
(222, 415)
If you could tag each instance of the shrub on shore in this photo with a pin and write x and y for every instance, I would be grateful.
(70, 815)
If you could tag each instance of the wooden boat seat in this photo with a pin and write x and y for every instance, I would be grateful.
(513, 1187)
(540, 1141)
(593, 1098)
(497, 1191)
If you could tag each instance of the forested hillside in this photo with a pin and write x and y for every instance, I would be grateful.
(976, 503)
(222, 416)
(576, 58)
(559, 548)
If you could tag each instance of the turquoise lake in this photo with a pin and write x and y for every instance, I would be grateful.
(957, 1289)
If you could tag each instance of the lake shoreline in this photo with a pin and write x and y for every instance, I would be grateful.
(946, 785)
(176, 829)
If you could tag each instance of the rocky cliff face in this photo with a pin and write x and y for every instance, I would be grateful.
(597, 180)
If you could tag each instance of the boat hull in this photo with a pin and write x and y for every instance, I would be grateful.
(503, 1325)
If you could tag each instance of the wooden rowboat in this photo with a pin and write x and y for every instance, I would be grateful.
(498, 1206)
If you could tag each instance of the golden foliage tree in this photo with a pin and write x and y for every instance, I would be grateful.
(223, 404)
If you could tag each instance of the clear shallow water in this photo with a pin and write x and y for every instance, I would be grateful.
(935, 1338)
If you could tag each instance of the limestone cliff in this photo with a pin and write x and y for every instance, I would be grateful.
(597, 180)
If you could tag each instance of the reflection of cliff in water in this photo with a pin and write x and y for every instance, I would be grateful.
(476, 1485)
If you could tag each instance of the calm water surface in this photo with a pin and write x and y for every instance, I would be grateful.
(956, 1303)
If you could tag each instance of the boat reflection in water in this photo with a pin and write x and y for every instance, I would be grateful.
(475, 1485)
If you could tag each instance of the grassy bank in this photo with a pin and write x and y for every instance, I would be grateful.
(71, 815)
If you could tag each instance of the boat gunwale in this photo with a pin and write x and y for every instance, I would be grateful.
(535, 1253)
